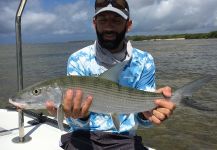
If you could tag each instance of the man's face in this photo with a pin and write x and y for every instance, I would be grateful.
(111, 29)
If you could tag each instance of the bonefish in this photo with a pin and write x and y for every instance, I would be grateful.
(108, 96)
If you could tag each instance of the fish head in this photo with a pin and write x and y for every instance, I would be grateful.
(35, 97)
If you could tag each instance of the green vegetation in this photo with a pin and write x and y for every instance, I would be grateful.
(209, 35)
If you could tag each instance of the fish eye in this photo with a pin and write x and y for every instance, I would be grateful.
(36, 92)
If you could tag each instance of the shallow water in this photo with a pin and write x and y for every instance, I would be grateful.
(177, 62)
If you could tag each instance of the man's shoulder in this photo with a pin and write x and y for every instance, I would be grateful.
(86, 52)
(141, 54)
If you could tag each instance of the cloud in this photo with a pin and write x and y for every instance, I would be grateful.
(44, 19)
(159, 16)
(74, 20)
(7, 17)
(64, 20)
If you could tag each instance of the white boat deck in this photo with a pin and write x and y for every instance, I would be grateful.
(43, 136)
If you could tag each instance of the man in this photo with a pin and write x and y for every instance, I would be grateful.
(111, 22)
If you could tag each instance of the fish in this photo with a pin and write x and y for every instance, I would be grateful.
(108, 96)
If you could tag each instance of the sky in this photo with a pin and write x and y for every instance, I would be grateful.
(71, 20)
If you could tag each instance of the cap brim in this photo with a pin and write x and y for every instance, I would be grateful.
(112, 9)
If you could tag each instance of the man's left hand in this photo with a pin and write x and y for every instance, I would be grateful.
(164, 107)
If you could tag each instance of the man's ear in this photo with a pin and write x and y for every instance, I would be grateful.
(94, 23)
(129, 25)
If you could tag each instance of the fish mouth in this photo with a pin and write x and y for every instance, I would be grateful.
(19, 105)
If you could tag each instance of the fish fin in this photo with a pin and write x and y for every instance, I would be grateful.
(194, 104)
(60, 117)
(116, 120)
(113, 73)
(188, 89)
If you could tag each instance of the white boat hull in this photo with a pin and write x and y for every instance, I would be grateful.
(43, 136)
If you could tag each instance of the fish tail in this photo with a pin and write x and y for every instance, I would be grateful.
(194, 104)
(188, 89)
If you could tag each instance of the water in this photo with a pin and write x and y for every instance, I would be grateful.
(178, 62)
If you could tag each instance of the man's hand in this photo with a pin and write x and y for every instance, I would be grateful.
(164, 107)
(74, 105)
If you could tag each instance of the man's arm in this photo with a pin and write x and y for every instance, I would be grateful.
(164, 107)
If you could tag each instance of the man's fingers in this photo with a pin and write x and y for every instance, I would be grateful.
(77, 103)
(159, 115)
(86, 106)
(51, 108)
(156, 120)
(73, 106)
(153, 116)
(165, 104)
(68, 102)
(165, 111)
(166, 91)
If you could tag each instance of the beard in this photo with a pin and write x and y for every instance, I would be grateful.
(110, 44)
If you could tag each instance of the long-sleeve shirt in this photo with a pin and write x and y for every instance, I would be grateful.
(139, 73)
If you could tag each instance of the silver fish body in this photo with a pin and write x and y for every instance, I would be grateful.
(108, 96)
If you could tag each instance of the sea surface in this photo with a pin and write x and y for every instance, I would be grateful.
(177, 61)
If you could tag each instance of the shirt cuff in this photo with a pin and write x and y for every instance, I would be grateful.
(142, 121)
(76, 124)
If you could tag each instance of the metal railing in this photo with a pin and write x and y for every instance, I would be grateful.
(21, 138)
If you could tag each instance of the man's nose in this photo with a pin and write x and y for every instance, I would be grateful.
(109, 25)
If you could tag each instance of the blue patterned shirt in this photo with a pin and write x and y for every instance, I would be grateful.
(139, 74)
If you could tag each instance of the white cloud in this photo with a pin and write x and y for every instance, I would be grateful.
(62, 19)
(34, 21)
(74, 18)
(157, 16)
(7, 17)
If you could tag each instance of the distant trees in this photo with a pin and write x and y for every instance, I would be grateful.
(212, 34)
(209, 35)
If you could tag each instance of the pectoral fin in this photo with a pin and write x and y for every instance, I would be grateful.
(116, 120)
(60, 117)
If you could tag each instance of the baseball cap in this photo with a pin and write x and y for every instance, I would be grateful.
(118, 6)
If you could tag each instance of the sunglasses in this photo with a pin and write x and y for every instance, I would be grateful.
(120, 4)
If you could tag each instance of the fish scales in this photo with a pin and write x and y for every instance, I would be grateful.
(111, 96)
(108, 96)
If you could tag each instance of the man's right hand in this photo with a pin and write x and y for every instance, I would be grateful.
(74, 105)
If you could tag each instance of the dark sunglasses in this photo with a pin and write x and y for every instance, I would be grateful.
(120, 4)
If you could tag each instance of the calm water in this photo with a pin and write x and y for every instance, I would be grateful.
(178, 62)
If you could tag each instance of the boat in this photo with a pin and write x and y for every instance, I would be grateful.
(37, 135)
(24, 129)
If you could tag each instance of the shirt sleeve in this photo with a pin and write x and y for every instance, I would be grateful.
(147, 78)
(76, 124)
(74, 67)
(146, 83)
(142, 121)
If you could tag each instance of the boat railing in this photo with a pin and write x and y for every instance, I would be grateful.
(21, 138)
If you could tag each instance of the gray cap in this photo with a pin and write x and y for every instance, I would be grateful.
(122, 12)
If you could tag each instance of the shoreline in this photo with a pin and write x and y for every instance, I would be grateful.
(170, 39)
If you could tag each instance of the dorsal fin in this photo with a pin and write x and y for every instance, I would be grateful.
(113, 73)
